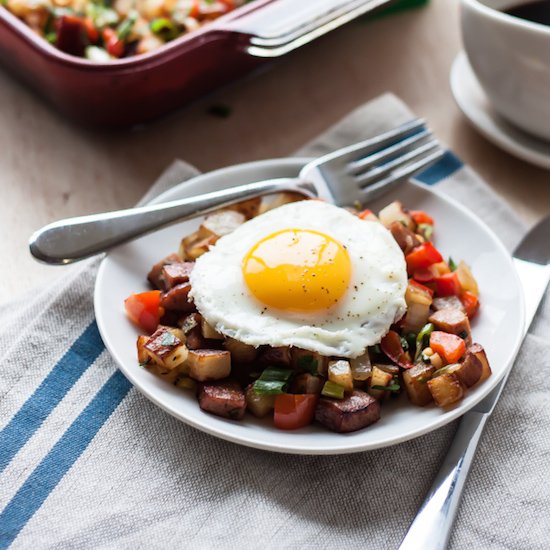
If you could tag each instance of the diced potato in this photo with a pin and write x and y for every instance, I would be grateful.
(479, 352)
(208, 331)
(339, 372)
(307, 383)
(379, 378)
(453, 321)
(321, 361)
(395, 212)
(249, 208)
(446, 389)
(166, 348)
(415, 381)
(469, 371)
(269, 202)
(361, 368)
(418, 308)
(142, 355)
(259, 405)
(169, 376)
(193, 246)
(220, 223)
(466, 279)
(209, 364)
(436, 361)
(240, 352)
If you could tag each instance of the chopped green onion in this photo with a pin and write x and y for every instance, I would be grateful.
(308, 363)
(444, 369)
(330, 389)
(452, 265)
(391, 387)
(272, 381)
(269, 387)
(426, 331)
(377, 349)
(125, 28)
(51, 37)
(427, 230)
(164, 27)
(404, 343)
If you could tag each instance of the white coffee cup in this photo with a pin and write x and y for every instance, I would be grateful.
(511, 58)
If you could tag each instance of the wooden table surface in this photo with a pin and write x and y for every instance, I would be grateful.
(51, 169)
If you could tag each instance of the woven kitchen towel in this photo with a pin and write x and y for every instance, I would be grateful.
(87, 462)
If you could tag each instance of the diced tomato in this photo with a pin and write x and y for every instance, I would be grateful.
(422, 256)
(91, 30)
(392, 347)
(421, 217)
(293, 411)
(449, 346)
(113, 44)
(470, 302)
(447, 285)
(144, 309)
(421, 287)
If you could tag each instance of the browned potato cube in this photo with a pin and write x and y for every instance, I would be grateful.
(469, 371)
(209, 364)
(249, 208)
(259, 405)
(155, 275)
(220, 223)
(208, 331)
(446, 389)
(379, 378)
(165, 348)
(415, 381)
(175, 274)
(448, 302)
(142, 355)
(240, 352)
(454, 321)
(192, 246)
(418, 308)
(405, 238)
(307, 383)
(269, 202)
(177, 299)
(299, 357)
(339, 372)
(479, 352)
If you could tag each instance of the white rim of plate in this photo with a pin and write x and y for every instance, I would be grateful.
(341, 449)
(474, 104)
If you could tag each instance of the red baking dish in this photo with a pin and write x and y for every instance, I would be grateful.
(137, 89)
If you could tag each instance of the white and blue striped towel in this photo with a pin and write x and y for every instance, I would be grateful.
(87, 462)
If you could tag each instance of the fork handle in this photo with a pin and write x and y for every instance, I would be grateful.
(431, 528)
(74, 239)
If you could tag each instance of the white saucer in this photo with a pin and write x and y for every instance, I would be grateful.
(473, 102)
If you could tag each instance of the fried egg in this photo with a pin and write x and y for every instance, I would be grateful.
(307, 274)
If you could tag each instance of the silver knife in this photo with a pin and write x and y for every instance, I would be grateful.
(431, 528)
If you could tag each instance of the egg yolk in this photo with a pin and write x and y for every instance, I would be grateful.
(297, 270)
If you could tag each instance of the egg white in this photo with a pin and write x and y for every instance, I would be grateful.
(374, 299)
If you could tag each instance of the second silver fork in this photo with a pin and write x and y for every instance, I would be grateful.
(356, 173)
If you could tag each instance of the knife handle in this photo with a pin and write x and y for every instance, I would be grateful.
(431, 528)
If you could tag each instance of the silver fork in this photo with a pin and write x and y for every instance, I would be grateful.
(353, 174)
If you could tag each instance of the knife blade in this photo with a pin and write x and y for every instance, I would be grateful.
(431, 528)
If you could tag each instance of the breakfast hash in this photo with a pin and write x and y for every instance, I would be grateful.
(308, 312)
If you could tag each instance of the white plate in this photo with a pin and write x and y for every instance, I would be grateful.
(459, 233)
(473, 102)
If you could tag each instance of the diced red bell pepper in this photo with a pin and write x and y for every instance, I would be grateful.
(421, 217)
(112, 42)
(470, 302)
(449, 346)
(421, 287)
(144, 309)
(392, 347)
(91, 30)
(422, 256)
(293, 411)
(447, 285)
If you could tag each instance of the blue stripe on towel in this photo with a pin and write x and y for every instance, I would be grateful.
(61, 457)
(443, 168)
(84, 351)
